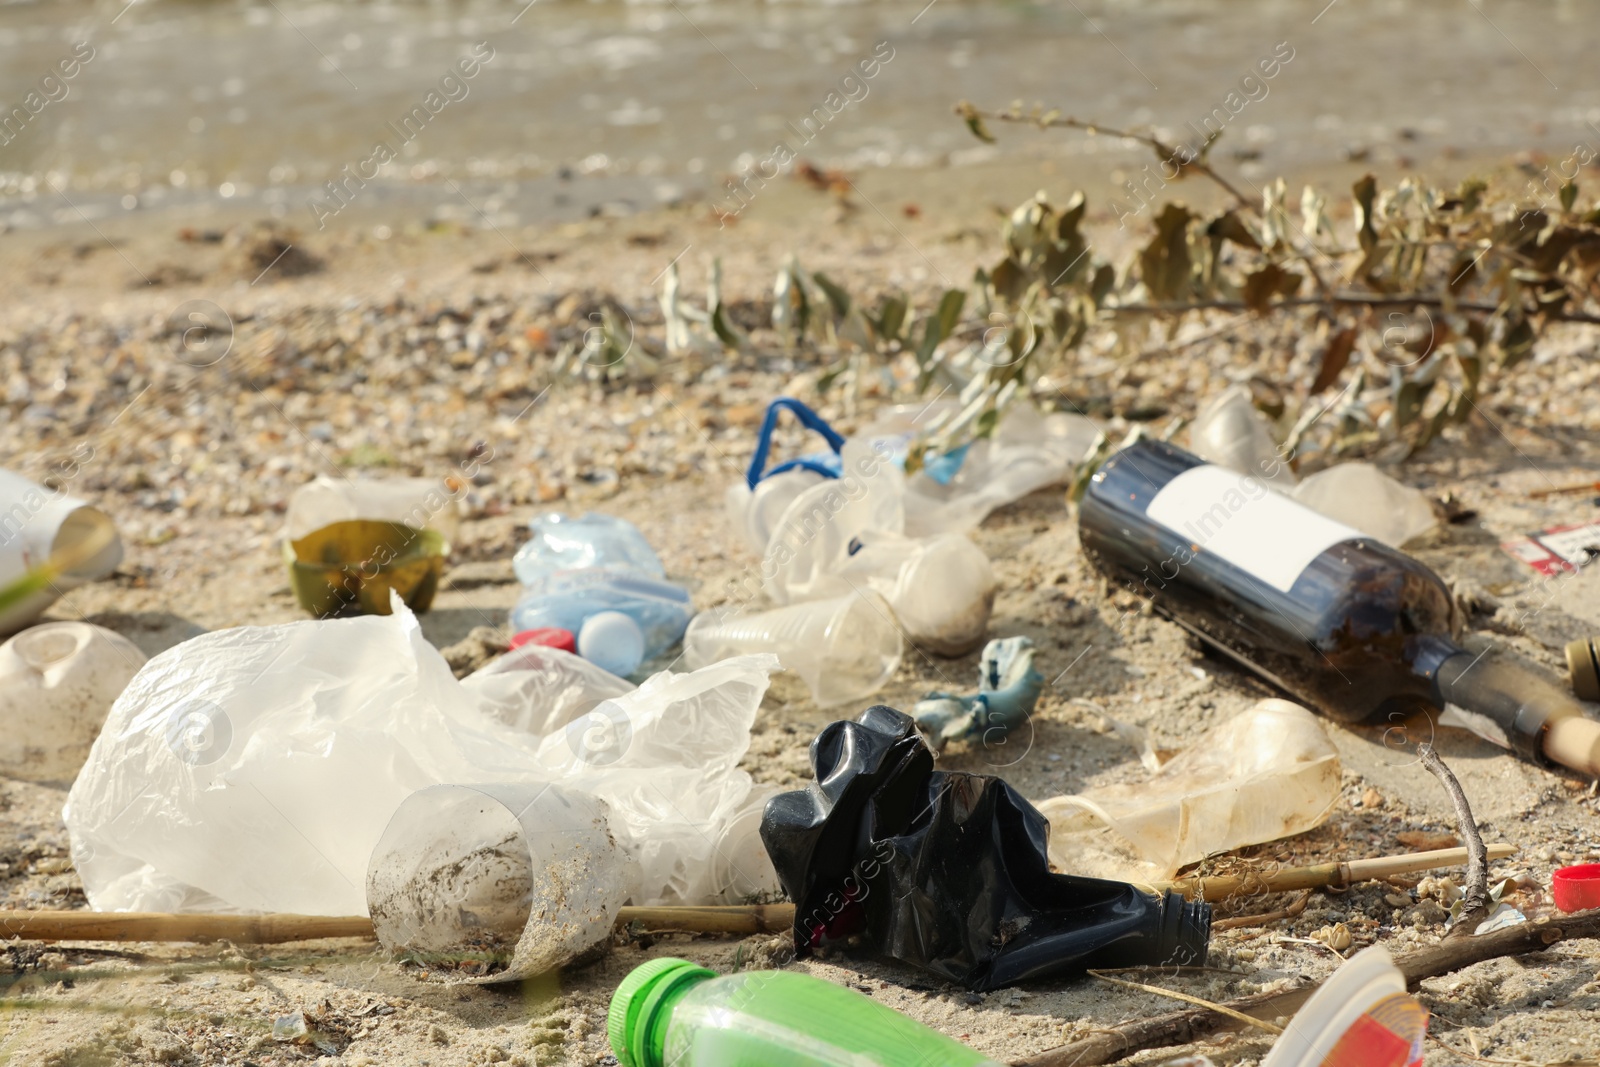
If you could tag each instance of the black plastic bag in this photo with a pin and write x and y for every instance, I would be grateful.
(947, 871)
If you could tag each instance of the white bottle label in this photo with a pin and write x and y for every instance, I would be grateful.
(1262, 532)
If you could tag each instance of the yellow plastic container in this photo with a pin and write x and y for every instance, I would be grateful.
(355, 564)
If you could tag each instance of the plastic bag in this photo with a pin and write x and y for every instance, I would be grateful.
(1231, 432)
(562, 542)
(208, 790)
(538, 689)
(1269, 772)
(946, 871)
(420, 503)
(37, 523)
(1360, 495)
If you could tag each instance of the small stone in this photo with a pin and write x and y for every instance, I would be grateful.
(291, 1027)
(437, 1035)
(1371, 798)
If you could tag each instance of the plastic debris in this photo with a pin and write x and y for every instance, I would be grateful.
(549, 636)
(495, 883)
(567, 599)
(562, 542)
(1360, 495)
(946, 871)
(58, 681)
(1583, 666)
(39, 525)
(1008, 688)
(1269, 772)
(1361, 1017)
(843, 649)
(1231, 432)
(208, 791)
(612, 641)
(349, 542)
(539, 689)
(1576, 888)
(673, 1013)
(1559, 551)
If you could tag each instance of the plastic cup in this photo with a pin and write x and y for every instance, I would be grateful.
(58, 681)
(496, 882)
(843, 649)
(1577, 888)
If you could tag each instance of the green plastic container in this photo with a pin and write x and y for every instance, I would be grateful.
(673, 1013)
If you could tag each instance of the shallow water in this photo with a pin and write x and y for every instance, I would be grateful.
(579, 103)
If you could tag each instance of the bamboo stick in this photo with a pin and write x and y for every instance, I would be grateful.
(735, 919)
(1323, 875)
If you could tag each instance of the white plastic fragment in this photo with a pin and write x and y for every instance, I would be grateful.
(1360, 495)
(58, 681)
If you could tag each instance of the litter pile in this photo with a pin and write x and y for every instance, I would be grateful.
(586, 784)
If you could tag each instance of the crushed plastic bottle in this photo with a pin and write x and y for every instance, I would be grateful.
(1231, 432)
(1360, 495)
(946, 871)
(493, 883)
(843, 649)
(673, 1013)
(1008, 688)
(1267, 773)
(567, 599)
(38, 525)
(563, 543)
(58, 680)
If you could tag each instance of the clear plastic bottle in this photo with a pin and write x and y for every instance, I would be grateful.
(672, 1013)
(567, 599)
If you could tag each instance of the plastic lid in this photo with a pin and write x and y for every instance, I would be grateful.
(1576, 888)
(1583, 661)
(640, 997)
(549, 636)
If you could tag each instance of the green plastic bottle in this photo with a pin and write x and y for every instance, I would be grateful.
(673, 1013)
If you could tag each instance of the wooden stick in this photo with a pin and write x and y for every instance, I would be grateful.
(1563, 490)
(1475, 894)
(1183, 1027)
(1324, 875)
(277, 929)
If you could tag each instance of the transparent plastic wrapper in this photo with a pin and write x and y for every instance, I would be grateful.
(844, 648)
(37, 523)
(1231, 432)
(494, 883)
(1360, 495)
(210, 789)
(58, 681)
(1269, 772)
(562, 542)
(567, 599)
(538, 689)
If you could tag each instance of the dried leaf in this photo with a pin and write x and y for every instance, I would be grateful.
(837, 297)
(1365, 190)
(1260, 286)
(1164, 264)
(1334, 359)
(974, 122)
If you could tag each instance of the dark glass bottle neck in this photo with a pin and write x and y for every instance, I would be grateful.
(1517, 703)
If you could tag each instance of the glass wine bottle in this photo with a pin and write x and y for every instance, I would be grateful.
(1351, 626)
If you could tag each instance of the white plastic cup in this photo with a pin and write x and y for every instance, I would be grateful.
(58, 681)
(36, 523)
(497, 882)
(843, 649)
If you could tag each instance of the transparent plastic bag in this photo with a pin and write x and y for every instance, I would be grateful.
(1267, 773)
(58, 681)
(1360, 495)
(563, 542)
(538, 689)
(421, 503)
(1231, 432)
(210, 788)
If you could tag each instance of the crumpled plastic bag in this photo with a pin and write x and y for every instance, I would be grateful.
(946, 871)
(1360, 495)
(254, 769)
(537, 689)
(1269, 772)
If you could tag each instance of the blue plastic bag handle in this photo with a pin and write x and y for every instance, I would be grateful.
(811, 421)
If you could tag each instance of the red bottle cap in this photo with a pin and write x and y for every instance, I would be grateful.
(552, 636)
(1577, 888)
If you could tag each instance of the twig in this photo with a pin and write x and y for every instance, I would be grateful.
(1182, 1027)
(1186, 998)
(1164, 150)
(1346, 300)
(1475, 895)
(1289, 912)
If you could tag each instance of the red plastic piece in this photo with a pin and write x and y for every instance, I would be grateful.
(553, 636)
(1577, 888)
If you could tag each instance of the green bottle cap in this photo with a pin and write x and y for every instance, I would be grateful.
(630, 1021)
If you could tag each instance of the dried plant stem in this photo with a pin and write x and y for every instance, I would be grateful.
(1295, 908)
(1475, 897)
(1374, 300)
(1238, 1016)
